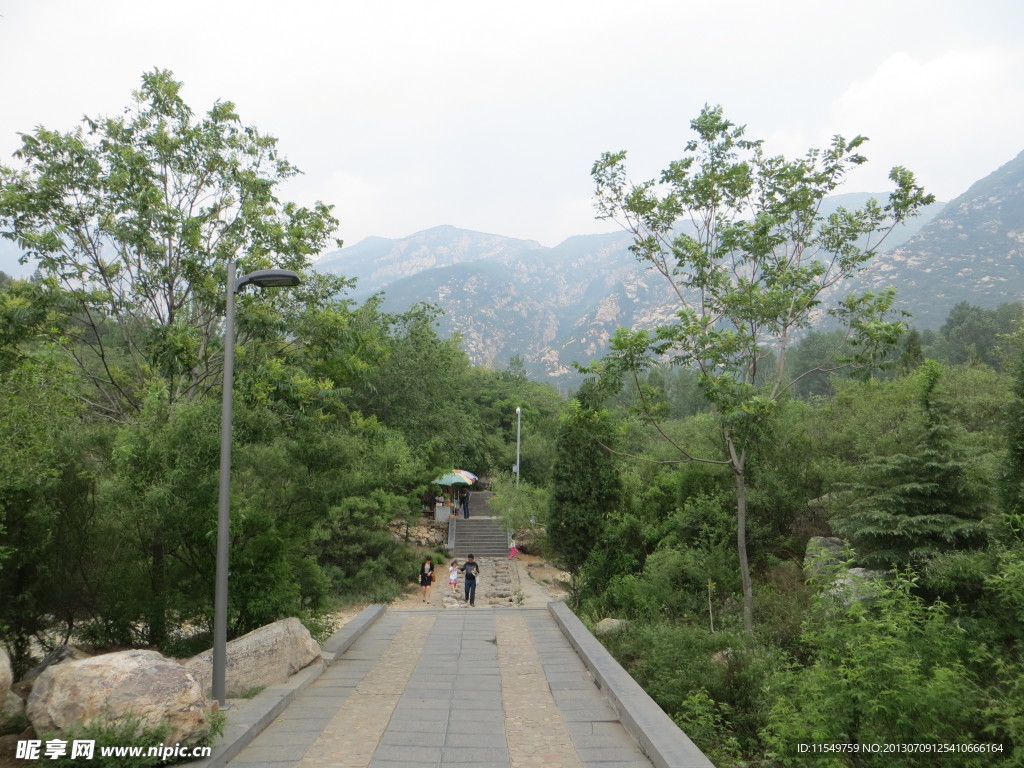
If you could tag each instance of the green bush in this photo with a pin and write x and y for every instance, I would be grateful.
(892, 669)
(675, 662)
(128, 731)
(706, 722)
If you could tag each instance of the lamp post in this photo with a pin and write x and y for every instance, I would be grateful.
(265, 278)
(519, 430)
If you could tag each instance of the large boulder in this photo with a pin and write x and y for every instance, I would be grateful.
(529, 541)
(610, 626)
(104, 689)
(6, 675)
(266, 656)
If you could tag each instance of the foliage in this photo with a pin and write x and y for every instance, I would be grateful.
(135, 217)
(741, 239)
(706, 722)
(678, 663)
(129, 731)
(519, 505)
(891, 670)
(585, 483)
(921, 502)
(1012, 479)
(974, 334)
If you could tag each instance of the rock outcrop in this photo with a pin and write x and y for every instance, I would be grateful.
(825, 556)
(427, 533)
(58, 655)
(6, 675)
(610, 626)
(12, 713)
(266, 656)
(105, 689)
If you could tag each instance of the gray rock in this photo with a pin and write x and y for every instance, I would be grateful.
(266, 656)
(12, 713)
(6, 675)
(104, 689)
(824, 556)
(610, 626)
(58, 655)
(857, 584)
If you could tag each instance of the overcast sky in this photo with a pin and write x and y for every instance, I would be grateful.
(488, 115)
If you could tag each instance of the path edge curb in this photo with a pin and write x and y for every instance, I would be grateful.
(253, 716)
(664, 743)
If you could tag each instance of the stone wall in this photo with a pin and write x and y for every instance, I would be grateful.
(424, 533)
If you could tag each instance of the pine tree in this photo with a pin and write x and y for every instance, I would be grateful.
(1012, 485)
(917, 504)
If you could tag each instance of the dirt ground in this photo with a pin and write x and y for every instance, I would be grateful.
(538, 581)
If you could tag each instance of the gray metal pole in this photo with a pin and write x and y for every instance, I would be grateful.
(220, 599)
(519, 429)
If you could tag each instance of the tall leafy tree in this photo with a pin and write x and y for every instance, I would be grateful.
(135, 217)
(741, 238)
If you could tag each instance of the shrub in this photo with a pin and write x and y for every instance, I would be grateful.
(892, 669)
(127, 731)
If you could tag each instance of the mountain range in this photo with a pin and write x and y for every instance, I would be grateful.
(556, 306)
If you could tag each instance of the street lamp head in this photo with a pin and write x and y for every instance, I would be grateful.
(268, 278)
(519, 410)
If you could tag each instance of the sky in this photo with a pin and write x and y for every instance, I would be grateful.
(489, 115)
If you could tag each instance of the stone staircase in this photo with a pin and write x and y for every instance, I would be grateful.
(481, 534)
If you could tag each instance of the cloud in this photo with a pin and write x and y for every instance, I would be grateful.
(961, 106)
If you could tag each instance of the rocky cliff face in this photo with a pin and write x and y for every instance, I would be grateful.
(972, 251)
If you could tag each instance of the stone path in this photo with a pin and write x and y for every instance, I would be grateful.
(436, 688)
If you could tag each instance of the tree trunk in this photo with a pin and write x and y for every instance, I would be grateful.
(741, 545)
(157, 618)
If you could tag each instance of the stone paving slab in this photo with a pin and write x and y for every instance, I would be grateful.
(479, 688)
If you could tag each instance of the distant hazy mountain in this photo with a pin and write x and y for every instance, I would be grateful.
(378, 262)
(505, 297)
(971, 251)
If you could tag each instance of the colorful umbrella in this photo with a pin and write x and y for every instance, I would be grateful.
(456, 477)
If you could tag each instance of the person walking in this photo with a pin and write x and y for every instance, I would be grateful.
(464, 501)
(512, 549)
(453, 577)
(472, 570)
(426, 578)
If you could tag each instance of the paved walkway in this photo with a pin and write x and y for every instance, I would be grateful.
(429, 688)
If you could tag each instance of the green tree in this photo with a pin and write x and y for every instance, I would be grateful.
(585, 481)
(973, 334)
(918, 503)
(740, 237)
(134, 217)
(1012, 480)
